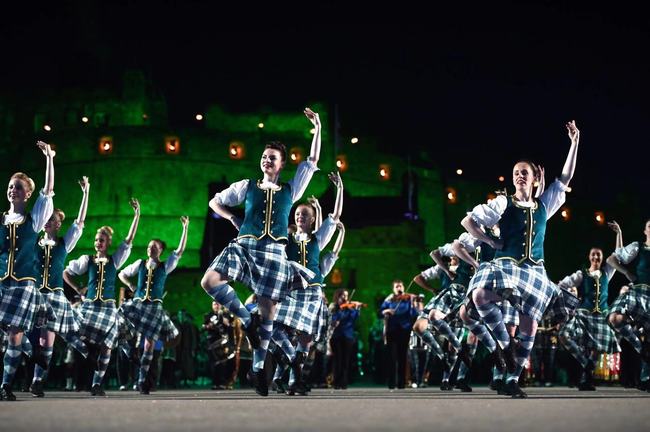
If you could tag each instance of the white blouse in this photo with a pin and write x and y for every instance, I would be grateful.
(575, 279)
(626, 254)
(79, 266)
(133, 268)
(489, 214)
(235, 194)
(41, 212)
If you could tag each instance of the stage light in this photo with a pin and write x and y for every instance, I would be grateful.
(237, 150)
(459, 171)
(566, 213)
(600, 218)
(296, 155)
(84, 119)
(490, 197)
(342, 163)
(452, 196)
(260, 125)
(48, 128)
(172, 145)
(106, 145)
(384, 171)
(199, 117)
(145, 116)
(354, 140)
(502, 178)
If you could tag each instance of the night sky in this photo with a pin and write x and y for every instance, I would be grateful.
(465, 86)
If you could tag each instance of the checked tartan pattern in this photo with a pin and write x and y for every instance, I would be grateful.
(99, 323)
(620, 304)
(304, 310)
(22, 306)
(638, 304)
(591, 331)
(262, 266)
(67, 319)
(447, 301)
(562, 307)
(526, 287)
(510, 314)
(149, 319)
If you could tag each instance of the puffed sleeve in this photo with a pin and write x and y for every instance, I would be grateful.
(489, 214)
(42, 210)
(78, 266)
(626, 254)
(553, 197)
(301, 180)
(233, 195)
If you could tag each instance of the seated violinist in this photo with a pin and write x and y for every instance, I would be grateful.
(399, 314)
(344, 315)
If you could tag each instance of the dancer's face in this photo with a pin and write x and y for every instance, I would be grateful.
(17, 191)
(596, 257)
(102, 243)
(154, 250)
(271, 162)
(453, 261)
(53, 224)
(304, 218)
(523, 176)
(646, 231)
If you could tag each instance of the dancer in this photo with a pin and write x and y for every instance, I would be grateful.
(304, 310)
(256, 257)
(146, 312)
(99, 323)
(52, 253)
(20, 301)
(517, 273)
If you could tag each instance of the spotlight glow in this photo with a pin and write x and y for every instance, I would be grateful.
(354, 140)
(459, 171)
(199, 117)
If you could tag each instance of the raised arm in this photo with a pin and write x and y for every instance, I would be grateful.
(437, 258)
(462, 253)
(619, 233)
(335, 177)
(422, 283)
(85, 188)
(48, 188)
(570, 163)
(136, 219)
(338, 244)
(319, 211)
(541, 182)
(185, 221)
(314, 153)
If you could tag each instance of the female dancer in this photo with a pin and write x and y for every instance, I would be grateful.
(256, 257)
(20, 300)
(99, 322)
(517, 273)
(146, 312)
(633, 306)
(304, 310)
(52, 253)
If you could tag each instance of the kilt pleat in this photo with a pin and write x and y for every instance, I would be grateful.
(149, 319)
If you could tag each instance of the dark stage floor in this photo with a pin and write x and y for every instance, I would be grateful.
(372, 409)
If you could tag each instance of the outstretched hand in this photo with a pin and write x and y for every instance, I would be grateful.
(335, 177)
(614, 226)
(312, 116)
(185, 220)
(46, 148)
(313, 201)
(574, 132)
(340, 226)
(84, 183)
(135, 205)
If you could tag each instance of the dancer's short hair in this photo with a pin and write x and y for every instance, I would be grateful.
(277, 145)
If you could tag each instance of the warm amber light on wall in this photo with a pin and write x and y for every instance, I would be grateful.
(600, 217)
(106, 145)
(342, 163)
(384, 171)
(236, 150)
(565, 213)
(295, 155)
(452, 196)
(337, 277)
(172, 145)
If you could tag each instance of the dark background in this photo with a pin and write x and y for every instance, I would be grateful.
(470, 85)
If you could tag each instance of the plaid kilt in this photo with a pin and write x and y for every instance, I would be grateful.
(303, 310)
(525, 286)
(67, 319)
(99, 323)
(22, 306)
(262, 266)
(620, 304)
(510, 314)
(447, 301)
(562, 307)
(638, 304)
(591, 331)
(149, 319)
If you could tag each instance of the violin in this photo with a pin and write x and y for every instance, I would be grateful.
(352, 305)
(404, 297)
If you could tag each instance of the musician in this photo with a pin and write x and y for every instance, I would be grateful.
(219, 326)
(344, 315)
(399, 314)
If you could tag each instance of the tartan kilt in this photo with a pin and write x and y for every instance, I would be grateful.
(67, 319)
(591, 331)
(99, 323)
(638, 304)
(526, 287)
(510, 314)
(562, 307)
(149, 319)
(447, 301)
(303, 310)
(620, 304)
(22, 306)
(262, 265)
